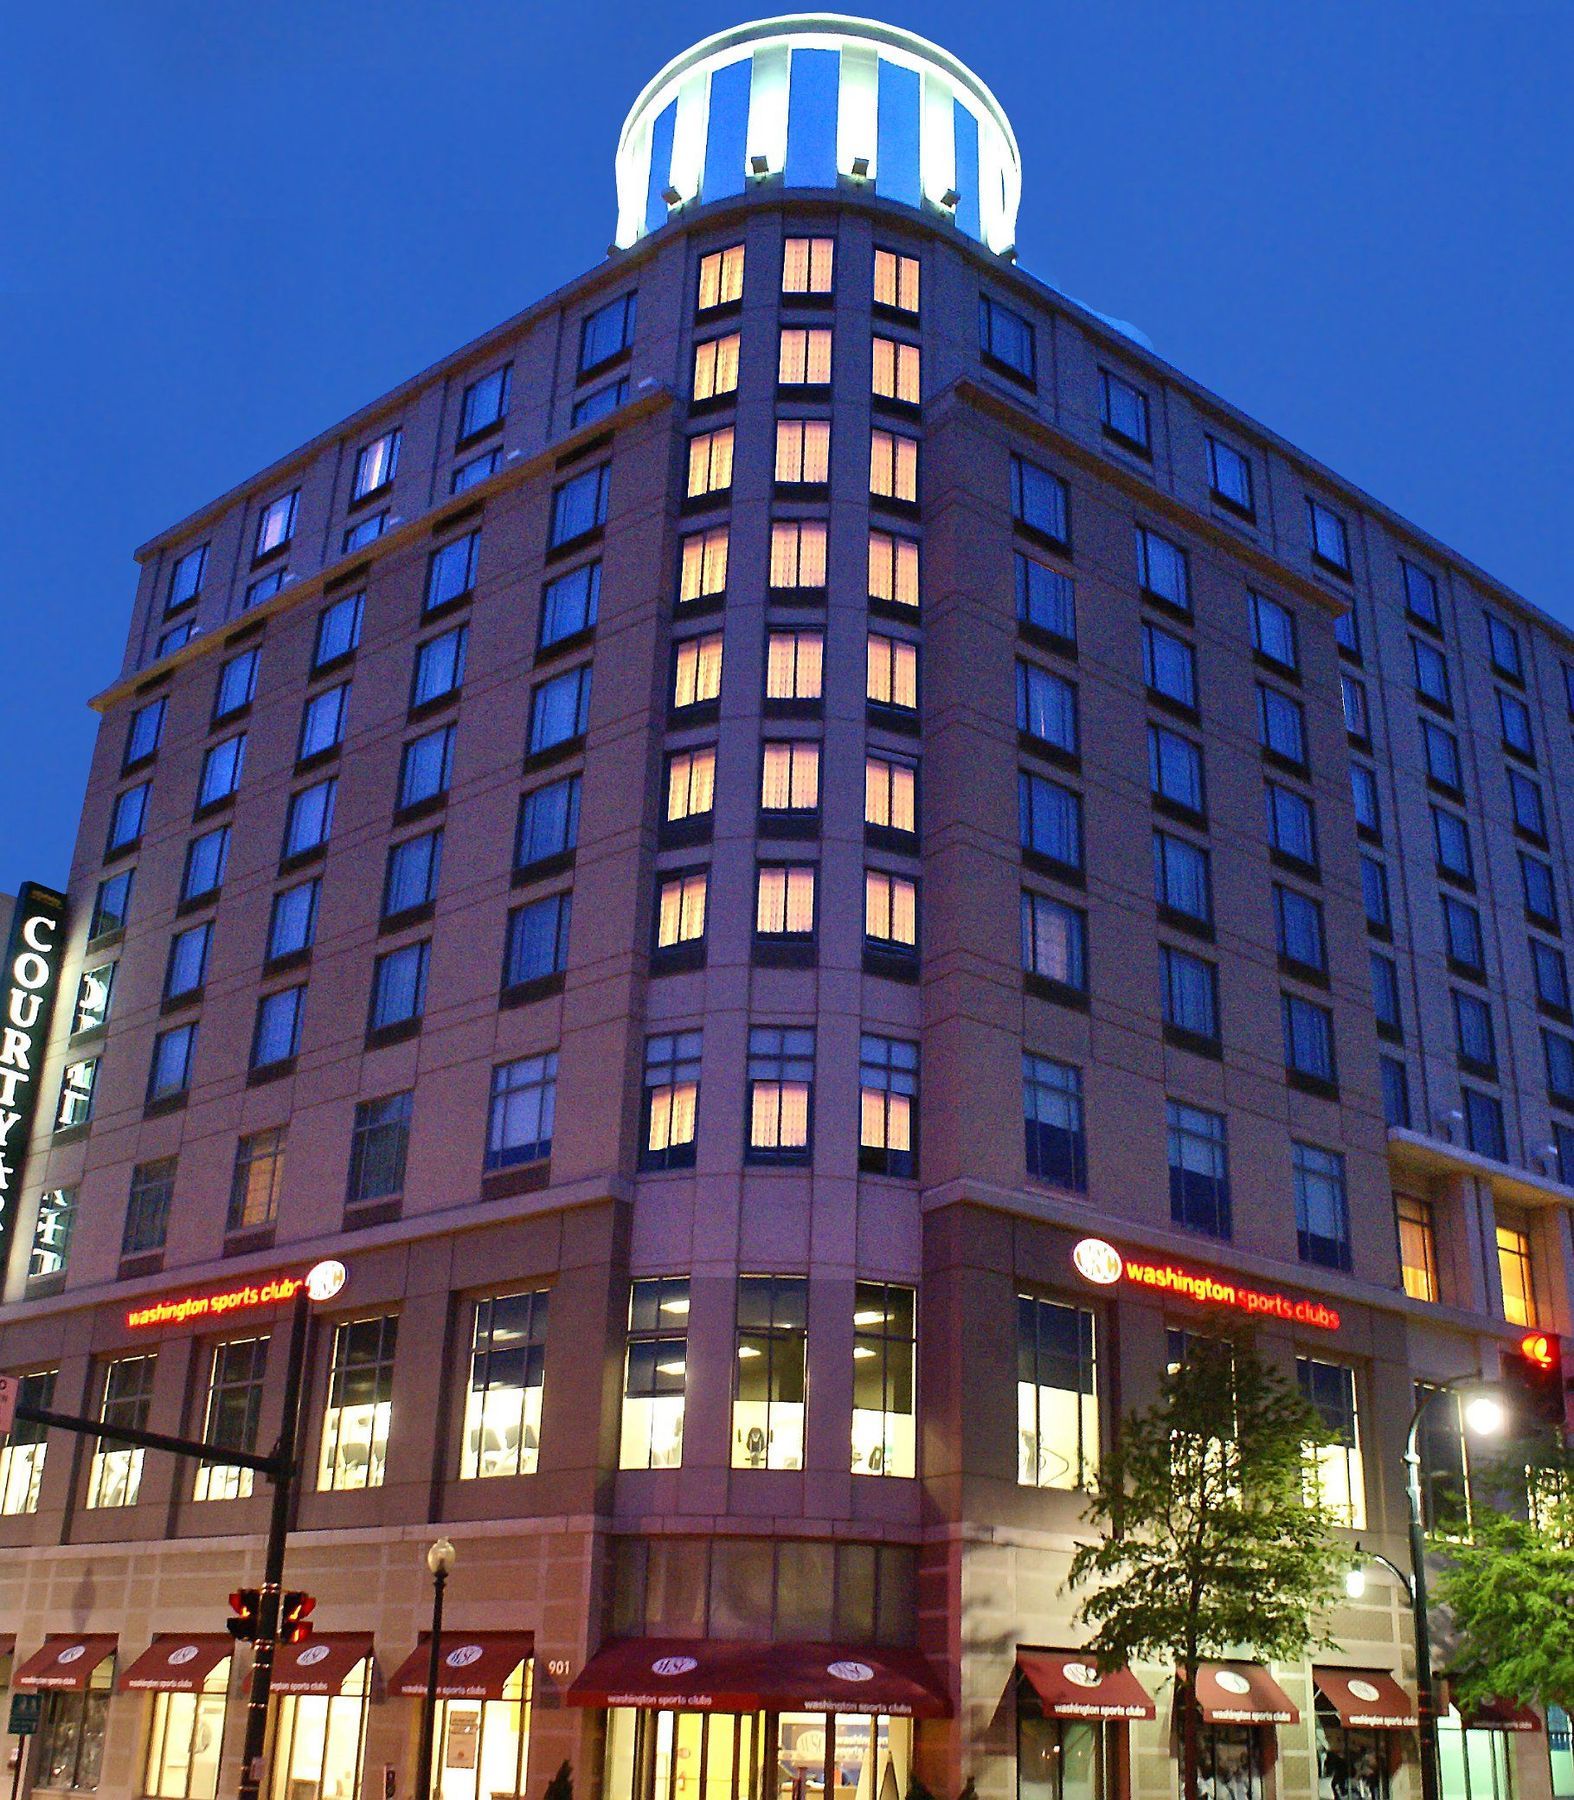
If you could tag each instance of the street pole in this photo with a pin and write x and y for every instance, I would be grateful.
(439, 1559)
(1426, 1693)
(286, 1460)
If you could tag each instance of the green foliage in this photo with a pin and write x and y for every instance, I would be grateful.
(561, 1786)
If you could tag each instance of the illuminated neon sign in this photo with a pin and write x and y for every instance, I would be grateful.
(1103, 1264)
(31, 974)
(245, 1298)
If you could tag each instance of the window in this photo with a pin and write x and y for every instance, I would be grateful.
(309, 819)
(890, 794)
(1190, 990)
(579, 505)
(703, 567)
(1049, 820)
(1558, 1054)
(1417, 1246)
(797, 555)
(1462, 930)
(127, 817)
(794, 662)
(672, 1099)
(1005, 337)
(1047, 707)
(1182, 878)
(93, 997)
(1169, 665)
(1199, 1170)
(399, 986)
(721, 276)
(1052, 1122)
(1041, 501)
(1431, 672)
(1484, 1131)
(781, 1093)
(115, 1472)
(169, 1071)
(1442, 755)
(1273, 631)
(896, 372)
(896, 280)
(1125, 410)
(716, 367)
(1046, 599)
(1552, 975)
(691, 784)
(57, 1214)
(502, 1432)
(654, 1370)
(71, 1748)
(1308, 1039)
(22, 1451)
(1385, 991)
(884, 1349)
(888, 1104)
(1514, 1267)
(1229, 476)
(1503, 647)
(1364, 799)
(292, 924)
(606, 331)
(1281, 725)
(77, 1081)
(1357, 714)
(1292, 825)
(322, 721)
(890, 912)
(439, 666)
(803, 452)
(768, 1397)
(451, 572)
(548, 823)
(147, 1209)
(186, 1739)
(560, 709)
(1057, 1395)
(179, 634)
(519, 1123)
(804, 357)
(1054, 941)
(1322, 1214)
(893, 466)
(1374, 895)
(1396, 1091)
(1298, 921)
(1514, 723)
(710, 463)
(1525, 798)
(354, 1449)
(1473, 1034)
(277, 1036)
(1175, 769)
(537, 940)
(185, 578)
(1421, 594)
(696, 671)
(485, 402)
(143, 732)
(784, 901)
(1347, 634)
(599, 402)
(1338, 1483)
(1162, 570)
(276, 524)
(411, 877)
(237, 685)
(470, 474)
(263, 588)
(256, 1181)
(1541, 899)
(426, 766)
(338, 630)
(790, 777)
(376, 465)
(1330, 540)
(378, 1141)
(206, 859)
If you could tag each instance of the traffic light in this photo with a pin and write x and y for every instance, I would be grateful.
(1533, 1374)
(246, 1605)
(295, 1610)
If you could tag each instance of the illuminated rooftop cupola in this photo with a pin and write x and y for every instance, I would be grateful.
(815, 100)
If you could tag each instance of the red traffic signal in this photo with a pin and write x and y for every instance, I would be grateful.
(246, 1605)
(1533, 1371)
(295, 1610)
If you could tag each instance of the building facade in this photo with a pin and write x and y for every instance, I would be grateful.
(801, 859)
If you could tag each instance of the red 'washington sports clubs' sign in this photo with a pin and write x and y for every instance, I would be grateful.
(1104, 1265)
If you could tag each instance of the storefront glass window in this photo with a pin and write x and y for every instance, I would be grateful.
(1477, 1765)
(71, 1750)
(1058, 1759)
(1560, 1741)
(1230, 1762)
(1351, 1765)
(479, 1746)
(186, 1741)
(319, 1741)
(503, 1402)
(360, 1404)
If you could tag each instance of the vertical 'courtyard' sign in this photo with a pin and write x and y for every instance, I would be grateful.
(31, 975)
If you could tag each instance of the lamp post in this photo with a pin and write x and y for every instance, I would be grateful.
(440, 1560)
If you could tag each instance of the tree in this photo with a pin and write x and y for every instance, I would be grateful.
(1213, 1539)
(1510, 1586)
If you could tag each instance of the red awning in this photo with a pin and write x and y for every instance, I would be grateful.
(471, 1665)
(1243, 1693)
(1366, 1699)
(320, 1665)
(65, 1662)
(1070, 1687)
(704, 1675)
(1499, 1715)
(177, 1663)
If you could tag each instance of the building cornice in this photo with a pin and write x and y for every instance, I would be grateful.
(1416, 1151)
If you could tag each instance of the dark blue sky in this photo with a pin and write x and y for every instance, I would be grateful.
(224, 226)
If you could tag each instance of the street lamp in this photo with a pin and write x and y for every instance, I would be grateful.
(440, 1560)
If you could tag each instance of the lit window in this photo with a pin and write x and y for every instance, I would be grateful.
(1049, 820)
(721, 278)
(476, 470)
(77, 1082)
(234, 1404)
(485, 402)
(680, 909)
(890, 794)
(793, 664)
(93, 997)
(1006, 338)
(143, 732)
(1162, 570)
(237, 685)
(606, 331)
(57, 1216)
(23, 1449)
(772, 1345)
(524, 1101)
(379, 1140)
(277, 1035)
(1125, 410)
(1229, 476)
(1054, 941)
(1046, 599)
(804, 357)
(1057, 1395)
(1199, 1169)
(803, 452)
(276, 524)
(207, 857)
(784, 901)
(893, 569)
(186, 1738)
(322, 722)
(579, 505)
(1330, 539)
(672, 1099)
(1337, 1481)
(451, 572)
(893, 466)
(710, 462)
(808, 265)
(411, 877)
(292, 923)
(896, 280)
(376, 465)
(691, 784)
(319, 1739)
(1052, 1118)
(703, 568)
(696, 671)
(127, 818)
(439, 666)
(169, 1072)
(115, 1473)
(256, 1181)
(781, 1093)
(716, 367)
(1417, 1246)
(1189, 988)
(1273, 631)
(1047, 707)
(1322, 1213)
(1182, 877)
(399, 986)
(560, 710)
(891, 675)
(885, 1437)
(797, 555)
(896, 371)
(1514, 1268)
(537, 941)
(890, 911)
(654, 1375)
(185, 578)
(502, 1429)
(356, 1419)
(548, 823)
(790, 777)
(887, 1106)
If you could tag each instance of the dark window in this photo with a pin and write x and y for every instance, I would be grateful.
(292, 926)
(1525, 798)
(169, 1072)
(1347, 633)
(580, 505)
(548, 822)
(1050, 819)
(570, 603)
(322, 721)
(143, 732)
(185, 578)
(1292, 824)
(399, 985)
(1322, 1213)
(426, 765)
(1363, 796)
(1374, 894)
(1189, 989)
(1125, 410)
(128, 816)
(1385, 990)
(1298, 921)
(222, 767)
(1484, 1131)
(1040, 500)
(187, 967)
(537, 940)
(206, 859)
(519, 1120)
(1396, 1092)
(1052, 1119)
(1175, 768)
(1462, 931)
(606, 331)
(1182, 880)
(237, 684)
(439, 665)
(560, 709)
(1273, 631)
(310, 817)
(1162, 571)
(476, 470)
(1169, 664)
(1046, 598)
(599, 402)
(1330, 539)
(1558, 1051)
(378, 1141)
(147, 1210)
(1047, 707)
(1431, 672)
(1514, 723)
(485, 401)
(338, 629)
(1421, 593)
(1503, 647)
(1281, 724)
(1054, 941)
(1541, 899)
(1006, 336)
(1229, 475)
(1199, 1170)
(1442, 755)
(1308, 1038)
(111, 904)
(451, 573)
(412, 874)
(1473, 1034)
(1357, 714)
(1552, 975)
(277, 1036)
